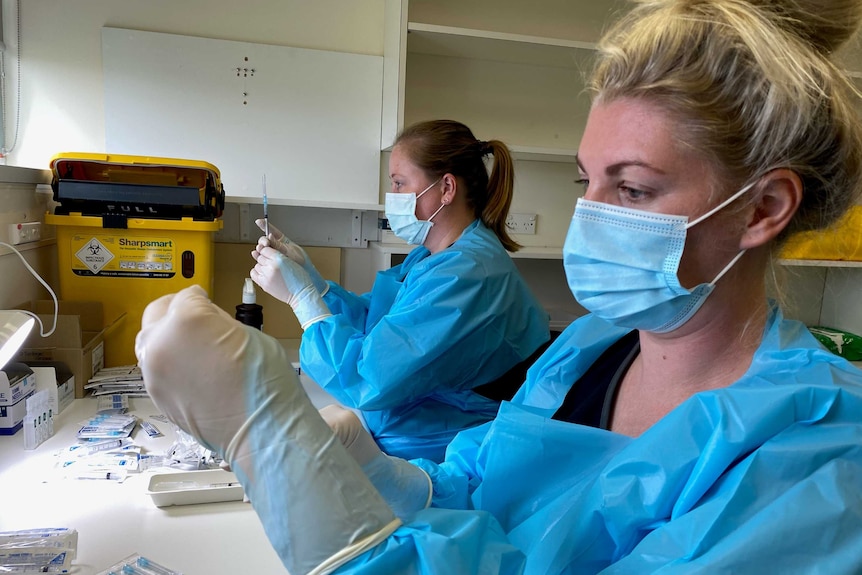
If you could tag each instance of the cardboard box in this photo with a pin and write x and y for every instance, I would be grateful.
(78, 341)
(57, 374)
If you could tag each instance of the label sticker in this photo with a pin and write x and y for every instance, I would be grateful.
(123, 256)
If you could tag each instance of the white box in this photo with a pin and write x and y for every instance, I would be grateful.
(12, 416)
(58, 375)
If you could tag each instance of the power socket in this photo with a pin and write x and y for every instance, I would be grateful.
(521, 223)
(25, 232)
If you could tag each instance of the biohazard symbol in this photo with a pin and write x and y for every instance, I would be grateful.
(94, 254)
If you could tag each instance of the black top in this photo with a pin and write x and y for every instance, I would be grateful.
(591, 398)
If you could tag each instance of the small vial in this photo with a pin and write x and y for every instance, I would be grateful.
(249, 312)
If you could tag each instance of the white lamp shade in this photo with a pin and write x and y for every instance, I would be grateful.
(14, 328)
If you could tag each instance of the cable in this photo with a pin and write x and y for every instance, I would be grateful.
(3, 101)
(47, 287)
(6, 151)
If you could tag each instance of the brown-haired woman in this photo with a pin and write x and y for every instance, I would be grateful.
(454, 316)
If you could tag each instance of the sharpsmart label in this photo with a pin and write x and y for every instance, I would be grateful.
(115, 255)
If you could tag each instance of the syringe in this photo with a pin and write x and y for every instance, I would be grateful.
(265, 209)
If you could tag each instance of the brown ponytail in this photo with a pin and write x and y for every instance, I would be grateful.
(501, 185)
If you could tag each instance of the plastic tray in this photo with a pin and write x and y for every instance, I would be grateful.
(187, 488)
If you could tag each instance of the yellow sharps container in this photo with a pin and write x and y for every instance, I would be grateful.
(131, 229)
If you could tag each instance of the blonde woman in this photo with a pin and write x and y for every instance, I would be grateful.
(684, 426)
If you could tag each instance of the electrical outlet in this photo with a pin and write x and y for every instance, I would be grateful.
(521, 223)
(25, 232)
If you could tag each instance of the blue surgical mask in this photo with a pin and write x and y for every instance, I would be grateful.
(401, 213)
(622, 265)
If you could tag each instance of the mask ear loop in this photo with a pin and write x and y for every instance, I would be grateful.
(422, 193)
(717, 208)
(425, 190)
(437, 212)
(720, 206)
(727, 267)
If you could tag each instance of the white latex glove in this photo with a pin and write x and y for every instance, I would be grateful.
(232, 387)
(284, 279)
(405, 487)
(281, 243)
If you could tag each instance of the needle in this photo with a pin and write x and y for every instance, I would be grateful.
(265, 209)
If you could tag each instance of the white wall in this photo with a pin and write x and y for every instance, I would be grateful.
(61, 70)
(62, 98)
(19, 202)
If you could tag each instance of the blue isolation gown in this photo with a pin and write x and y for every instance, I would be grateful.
(764, 476)
(409, 352)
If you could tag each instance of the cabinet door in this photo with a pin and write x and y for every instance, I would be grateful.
(307, 119)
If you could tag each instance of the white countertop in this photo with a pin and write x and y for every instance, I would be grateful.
(115, 520)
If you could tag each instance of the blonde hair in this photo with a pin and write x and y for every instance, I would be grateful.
(448, 147)
(754, 87)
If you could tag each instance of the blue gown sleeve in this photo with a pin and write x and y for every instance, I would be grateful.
(450, 537)
(454, 480)
(417, 345)
(443, 542)
(352, 307)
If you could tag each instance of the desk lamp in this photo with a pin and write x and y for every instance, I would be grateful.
(15, 325)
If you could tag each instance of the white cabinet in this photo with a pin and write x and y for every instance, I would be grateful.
(512, 71)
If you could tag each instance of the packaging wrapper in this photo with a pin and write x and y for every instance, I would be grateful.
(841, 242)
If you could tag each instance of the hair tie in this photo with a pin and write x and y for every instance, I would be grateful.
(485, 148)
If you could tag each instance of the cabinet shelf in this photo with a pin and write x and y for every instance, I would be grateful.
(453, 42)
(552, 253)
(535, 154)
(533, 253)
(821, 263)
(538, 253)
(310, 203)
